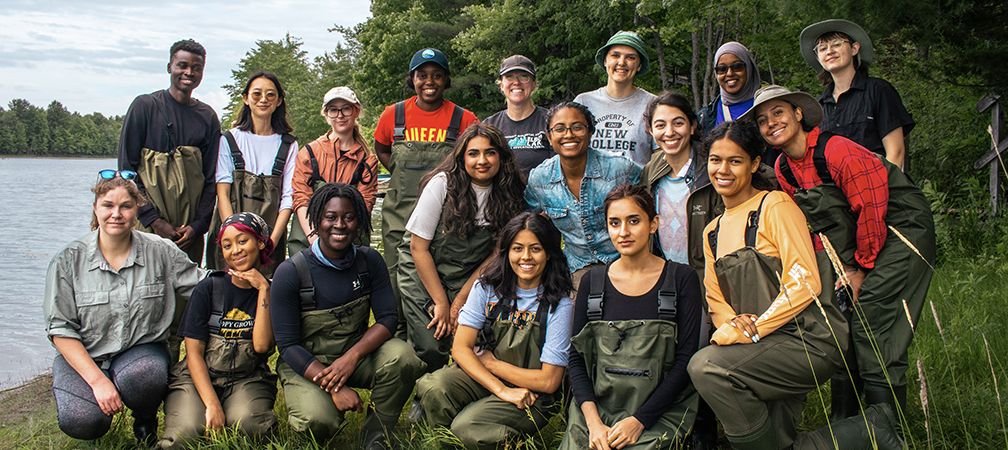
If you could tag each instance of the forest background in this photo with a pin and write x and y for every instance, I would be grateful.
(941, 55)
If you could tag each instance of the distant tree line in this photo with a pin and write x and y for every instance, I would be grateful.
(26, 129)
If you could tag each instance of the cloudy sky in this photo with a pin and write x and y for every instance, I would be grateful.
(98, 55)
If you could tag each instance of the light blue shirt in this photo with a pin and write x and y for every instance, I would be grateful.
(558, 322)
(581, 221)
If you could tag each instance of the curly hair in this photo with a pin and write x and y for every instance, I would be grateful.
(556, 281)
(329, 191)
(188, 45)
(278, 120)
(506, 198)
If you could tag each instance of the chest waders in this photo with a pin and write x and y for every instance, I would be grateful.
(899, 275)
(296, 240)
(456, 257)
(743, 382)
(244, 385)
(410, 161)
(327, 334)
(452, 399)
(173, 181)
(250, 192)
(626, 361)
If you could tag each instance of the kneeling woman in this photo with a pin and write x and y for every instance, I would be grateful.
(518, 313)
(636, 325)
(771, 346)
(464, 203)
(109, 299)
(322, 298)
(223, 380)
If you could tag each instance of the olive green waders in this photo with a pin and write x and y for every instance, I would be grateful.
(410, 161)
(878, 318)
(259, 194)
(456, 258)
(243, 383)
(173, 182)
(450, 398)
(626, 361)
(758, 390)
(296, 239)
(389, 372)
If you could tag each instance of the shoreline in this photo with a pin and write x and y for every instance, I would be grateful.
(25, 400)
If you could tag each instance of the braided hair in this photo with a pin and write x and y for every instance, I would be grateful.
(321, 197)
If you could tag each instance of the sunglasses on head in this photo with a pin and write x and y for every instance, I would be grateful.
(736, 67)
(108, 174)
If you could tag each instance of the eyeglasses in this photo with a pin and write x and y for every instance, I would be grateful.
(835, 44)
(109, 174)
(271, 96)
(521, 77)
(333, 111)
(577, 128)
(737, 67)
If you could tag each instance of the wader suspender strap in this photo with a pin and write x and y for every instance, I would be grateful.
(818, 158)
(216, 301)
(307, 290)
(752, 226)
(399, 131)
(668, 294)
(278, 163)
(315, 176)
(541, 317)
(236, 156)
(159, 100)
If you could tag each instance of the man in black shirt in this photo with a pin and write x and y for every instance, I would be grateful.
(171, 139)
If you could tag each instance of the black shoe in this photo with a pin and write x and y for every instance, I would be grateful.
(145, 431)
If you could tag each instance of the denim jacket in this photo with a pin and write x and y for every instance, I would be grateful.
(580, 221)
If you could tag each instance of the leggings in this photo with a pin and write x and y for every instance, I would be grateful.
(140, 374)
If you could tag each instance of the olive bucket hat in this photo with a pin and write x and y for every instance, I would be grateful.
(810, 35)
(629, 39)
(811, 111)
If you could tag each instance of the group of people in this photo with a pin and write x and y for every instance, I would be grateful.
(653, 262)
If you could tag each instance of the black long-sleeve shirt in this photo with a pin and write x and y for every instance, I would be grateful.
(148, 124)
(333, 288)
(643, 307)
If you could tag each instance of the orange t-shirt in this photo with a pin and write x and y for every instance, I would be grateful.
(421, 126)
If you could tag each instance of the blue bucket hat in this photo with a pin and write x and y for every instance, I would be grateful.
(428, 55)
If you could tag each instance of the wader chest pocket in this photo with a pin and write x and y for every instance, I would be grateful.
(628, 372)
(416, 165)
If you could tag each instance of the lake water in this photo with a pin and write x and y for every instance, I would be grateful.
(48, 204)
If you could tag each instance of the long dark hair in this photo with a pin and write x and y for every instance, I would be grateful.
(329, 191)
(556, 281)
(278, 120)
(506, 198)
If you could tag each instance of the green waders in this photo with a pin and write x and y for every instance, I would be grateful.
(452, 399)
(243, 382)
(899, 275)
(758, 390)
(253, 193)
(173, 181)
(626, 360)
(296, 239)
(456, 259)
(411, 160)
(390, 371)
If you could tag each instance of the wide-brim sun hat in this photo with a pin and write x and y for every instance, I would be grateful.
(811, 110)
(809, 36)
(629, 39)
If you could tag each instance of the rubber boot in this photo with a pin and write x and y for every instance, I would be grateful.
(764, 438)
(851, 433)
(844, 397)
(896, 396)
(377, 430)
(704, 433)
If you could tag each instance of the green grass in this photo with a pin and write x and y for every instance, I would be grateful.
(964, 409)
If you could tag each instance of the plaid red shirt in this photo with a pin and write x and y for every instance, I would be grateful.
(861, 176)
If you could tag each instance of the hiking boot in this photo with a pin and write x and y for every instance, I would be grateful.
(851, 433)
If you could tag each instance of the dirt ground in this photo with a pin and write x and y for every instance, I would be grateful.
(19, 403)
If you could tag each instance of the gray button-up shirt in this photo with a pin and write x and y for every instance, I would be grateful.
(110, 311)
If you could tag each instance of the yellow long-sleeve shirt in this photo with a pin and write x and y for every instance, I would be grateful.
(782, 233)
